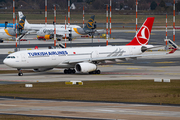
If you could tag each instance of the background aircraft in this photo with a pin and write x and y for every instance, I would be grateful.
(48, 33)
(37, 27)
(10, 33)
(83, 59)
(9, 25)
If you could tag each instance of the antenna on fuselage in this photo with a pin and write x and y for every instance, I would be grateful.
(6, 24)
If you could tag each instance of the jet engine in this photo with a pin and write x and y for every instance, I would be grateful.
(85, 67)
(48, 37)
(42, 69)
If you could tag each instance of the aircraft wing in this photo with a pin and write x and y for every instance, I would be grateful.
(100, 31)
(99, 59)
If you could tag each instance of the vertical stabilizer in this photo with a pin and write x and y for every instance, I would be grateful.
(143, 35)
(22, 23)
(90, 24)
(20, 16)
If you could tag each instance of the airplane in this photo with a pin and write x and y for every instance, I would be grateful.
(9, 25)
(37, 27)
(84, 59)
(9, 32)
(48, 33)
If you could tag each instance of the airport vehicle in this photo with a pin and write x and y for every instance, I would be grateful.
(37, 27)
(41, 38)
(83, 59)
(48, 33)
(10, 33)
(23, 40)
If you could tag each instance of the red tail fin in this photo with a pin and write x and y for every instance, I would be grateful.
(143, 35)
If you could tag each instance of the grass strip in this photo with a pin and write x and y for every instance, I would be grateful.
(141, 91)
(20, 117)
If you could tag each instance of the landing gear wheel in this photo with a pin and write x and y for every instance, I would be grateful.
(98, 71)
(95, 72)
(69, 71)
(65, 71)
(73, 71)
(20, 72)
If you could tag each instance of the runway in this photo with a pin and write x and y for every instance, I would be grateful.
(143, 69)
(87, 110)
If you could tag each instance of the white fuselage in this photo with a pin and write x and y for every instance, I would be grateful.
(37, 27)
(53, 58)
(59, 31)
(4, 34)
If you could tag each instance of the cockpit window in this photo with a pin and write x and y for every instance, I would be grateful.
(10, 57)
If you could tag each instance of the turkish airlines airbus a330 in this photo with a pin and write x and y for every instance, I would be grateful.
(83, 59)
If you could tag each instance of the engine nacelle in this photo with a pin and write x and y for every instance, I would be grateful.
(42, 69)
(85, 67)
(47, 37)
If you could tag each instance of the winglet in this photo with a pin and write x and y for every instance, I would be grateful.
(174, 46)
(172, 51)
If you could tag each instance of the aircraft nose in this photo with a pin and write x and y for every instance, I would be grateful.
(5, 61)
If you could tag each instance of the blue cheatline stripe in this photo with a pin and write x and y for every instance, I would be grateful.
(10, 25)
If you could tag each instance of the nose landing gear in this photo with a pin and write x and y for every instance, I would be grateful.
(20, 72)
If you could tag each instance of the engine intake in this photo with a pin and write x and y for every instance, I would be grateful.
(85, 67)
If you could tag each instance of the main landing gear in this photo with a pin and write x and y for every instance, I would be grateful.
(20, 72)
(69, 71)
(95, 72)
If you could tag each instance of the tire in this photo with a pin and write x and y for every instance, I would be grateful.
(98, 71)
(20, 74)
(65, 71)
(73, 71)
(69, 71)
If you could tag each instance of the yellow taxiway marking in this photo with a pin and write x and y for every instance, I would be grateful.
(133, 68)
(164, 67)
(165, 62)
(130, 32)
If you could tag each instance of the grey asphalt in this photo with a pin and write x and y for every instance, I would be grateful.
(87, 110)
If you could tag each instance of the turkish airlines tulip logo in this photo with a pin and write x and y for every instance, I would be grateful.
(143, 35)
